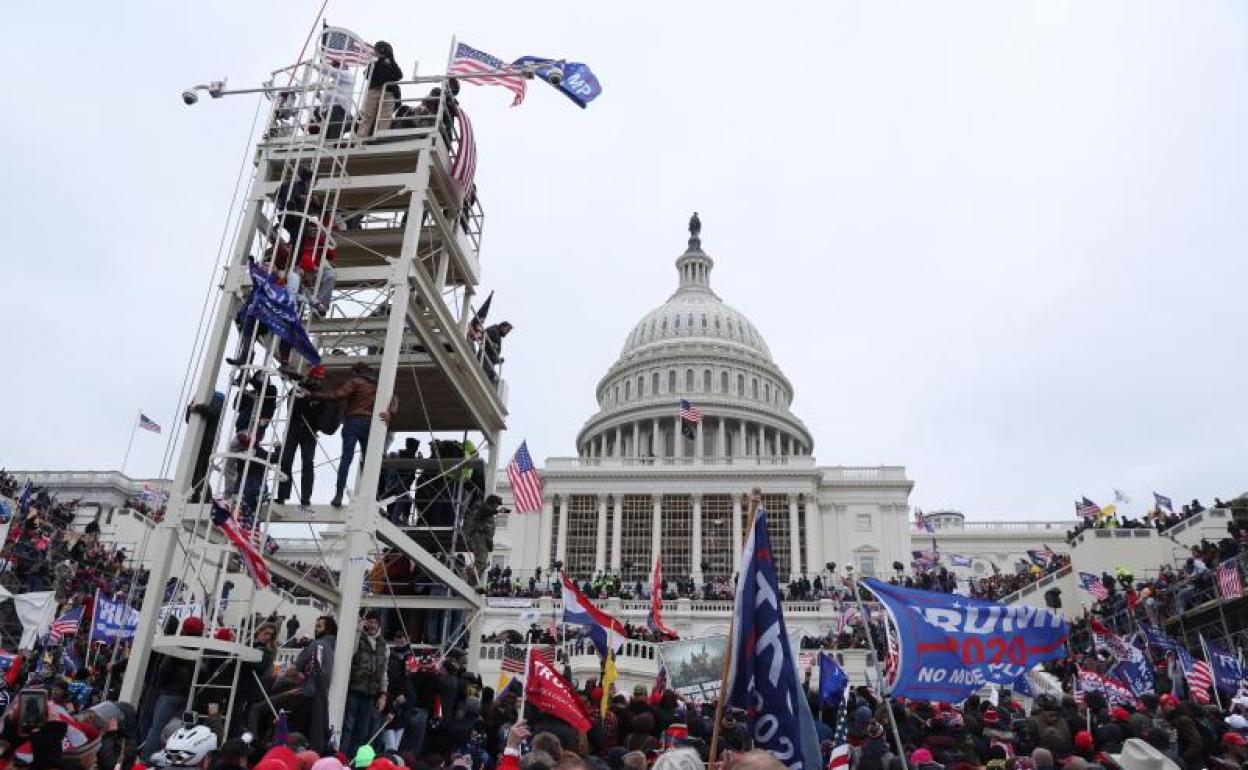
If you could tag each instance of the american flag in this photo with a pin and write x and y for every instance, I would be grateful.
(1199, 675)
(147, 423)
(253, 560)
(1230, 583)
(689, 412)
(544, 653)
(65, 625)
(514, 658)
(1087, 509)
(526, 485)
(341, 47)
(921, 522)
(1093, 585)
(850, 616)
(840, 742)
(468, 61)
(464, 166)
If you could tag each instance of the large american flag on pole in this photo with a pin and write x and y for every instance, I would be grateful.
(1230, 583)
(464, 166)
(1087, 509)
(485, 70)
(1199, 676)
(526, 485)
(253, 560)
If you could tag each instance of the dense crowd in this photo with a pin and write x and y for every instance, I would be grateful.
(1159, 518)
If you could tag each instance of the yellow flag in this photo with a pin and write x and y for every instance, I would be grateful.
(609, 675)
(1108, 511)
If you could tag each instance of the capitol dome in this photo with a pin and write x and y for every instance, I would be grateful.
(697, 348)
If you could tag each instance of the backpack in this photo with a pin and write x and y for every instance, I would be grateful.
(332, 415)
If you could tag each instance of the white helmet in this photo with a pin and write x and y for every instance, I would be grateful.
(189, 746)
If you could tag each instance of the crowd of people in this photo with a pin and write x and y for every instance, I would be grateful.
(1159, 518)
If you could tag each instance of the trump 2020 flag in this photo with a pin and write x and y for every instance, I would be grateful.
(1228, 672)
(950, 646)
(762, 673)
(272, 305)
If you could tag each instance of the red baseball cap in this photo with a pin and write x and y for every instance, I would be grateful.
(1120, 714)
(1234, 739)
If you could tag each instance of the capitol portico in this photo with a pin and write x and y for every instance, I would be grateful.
(640, 487)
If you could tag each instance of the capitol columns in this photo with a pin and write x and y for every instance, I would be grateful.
(721, 449)
(547, 523)
(795, 540)
(695, 565)
(656, 539)
(698, 445)
(600, 547)
(636, 438)
(655, 448)
(814, 559)
(737, 535)
(561, 545)
(617, 536)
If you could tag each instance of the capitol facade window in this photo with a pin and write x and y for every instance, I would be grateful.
(636, 525)
(863, 522)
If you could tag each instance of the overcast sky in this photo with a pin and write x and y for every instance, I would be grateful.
(1000, 243)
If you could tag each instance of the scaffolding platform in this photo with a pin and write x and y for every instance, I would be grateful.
(377, 241)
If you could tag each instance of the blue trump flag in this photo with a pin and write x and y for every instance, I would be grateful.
(1228, 672)
(762, 673)
(1138, 674)
(832, 681)
(272, 305)
(1155, 637)
(576, 80)
(112, 620)
(950, 646)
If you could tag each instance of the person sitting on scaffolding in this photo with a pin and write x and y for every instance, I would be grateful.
(360, 393)
(382, 82)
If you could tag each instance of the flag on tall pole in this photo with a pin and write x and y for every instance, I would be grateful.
(762, 673)
(148, 424)
(483, 69)
(65, 625)
(689, 418)
(526, 485)
(1121, 497)
(654, 620)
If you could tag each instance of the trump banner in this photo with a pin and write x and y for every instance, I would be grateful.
(113, 620)
(949, 646)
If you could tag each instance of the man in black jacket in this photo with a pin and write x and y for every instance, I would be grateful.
(305, 415)
(494, 348)
(381, 82)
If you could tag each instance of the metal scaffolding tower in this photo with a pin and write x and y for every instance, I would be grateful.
(378, 238)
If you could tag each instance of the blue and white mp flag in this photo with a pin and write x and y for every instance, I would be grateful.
(573, 79)
(112, 621)
(949, 646)
(762, 673)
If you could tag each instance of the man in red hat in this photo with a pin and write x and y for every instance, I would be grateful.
(305, 417)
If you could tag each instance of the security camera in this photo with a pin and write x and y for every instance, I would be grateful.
(555, 76)
(215, 88)
(189, 97)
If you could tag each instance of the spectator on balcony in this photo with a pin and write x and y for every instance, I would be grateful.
(382, 82)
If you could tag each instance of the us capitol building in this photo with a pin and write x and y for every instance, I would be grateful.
(639, 488)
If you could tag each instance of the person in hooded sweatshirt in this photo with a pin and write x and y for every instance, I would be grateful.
(360, 394)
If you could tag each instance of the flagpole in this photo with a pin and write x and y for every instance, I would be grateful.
(879, 672)
(524, 691)
(129, 444)
(1209, 662)
(756, 497)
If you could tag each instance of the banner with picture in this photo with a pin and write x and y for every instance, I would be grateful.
(695, 666)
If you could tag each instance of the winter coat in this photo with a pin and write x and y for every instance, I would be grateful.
(368, 666)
